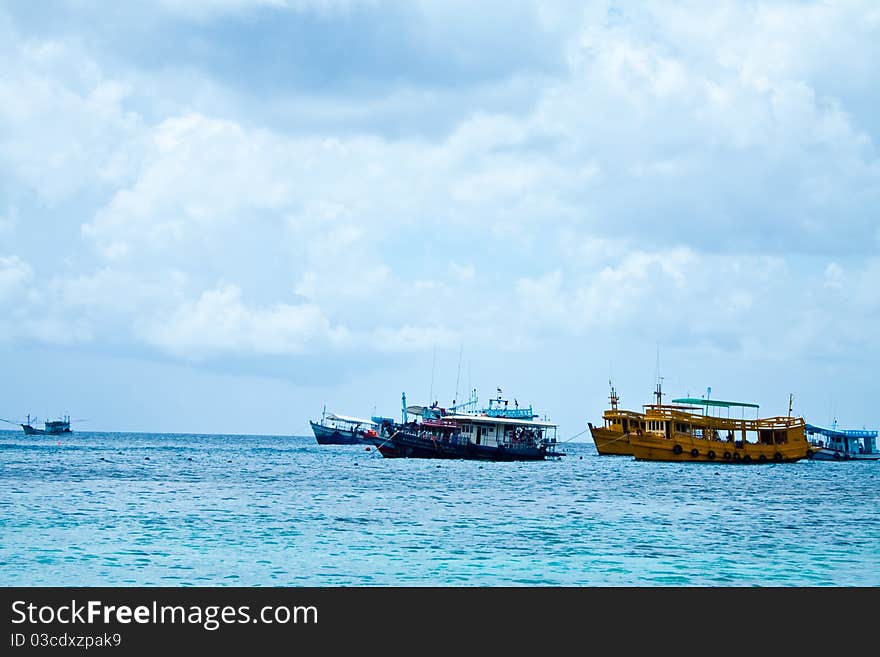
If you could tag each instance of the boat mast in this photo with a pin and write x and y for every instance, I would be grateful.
(458, 375)
(433, 365)
(658, 391)
(614, 398)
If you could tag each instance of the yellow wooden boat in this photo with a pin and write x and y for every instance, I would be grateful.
(687, 430)
(679, 433)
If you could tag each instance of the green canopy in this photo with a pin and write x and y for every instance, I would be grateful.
(712, 402)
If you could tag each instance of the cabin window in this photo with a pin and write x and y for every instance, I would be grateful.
(781, 436)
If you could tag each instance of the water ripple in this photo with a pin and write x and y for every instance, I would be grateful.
(104, 509)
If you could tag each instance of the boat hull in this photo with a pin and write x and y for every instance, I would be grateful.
(694, 450)
(610, 443)
(31, 431)
(827, 454)
(406, 445)
(334, 436)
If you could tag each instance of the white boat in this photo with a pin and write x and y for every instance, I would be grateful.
(335, 429)
(842, 444)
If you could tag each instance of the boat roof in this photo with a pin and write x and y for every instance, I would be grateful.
(713, 402)
(348, 418)
(841, 433)
(673, 407)
(499, 420)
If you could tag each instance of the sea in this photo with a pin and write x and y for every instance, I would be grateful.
(142, 509)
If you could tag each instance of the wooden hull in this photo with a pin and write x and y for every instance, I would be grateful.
(610, 443)
(696, 450)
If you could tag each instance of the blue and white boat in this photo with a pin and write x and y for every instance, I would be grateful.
(335, 429)
(842, 444)
(496, 433)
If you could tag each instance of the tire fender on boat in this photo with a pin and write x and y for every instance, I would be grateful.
(711, 455)
(777, 456)
(726, 456)
(677, 449)
(695, 452)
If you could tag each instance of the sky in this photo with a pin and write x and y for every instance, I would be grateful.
(220, 216)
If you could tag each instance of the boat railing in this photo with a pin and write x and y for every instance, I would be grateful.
(724, 423)
(520, 413)
(444, 424)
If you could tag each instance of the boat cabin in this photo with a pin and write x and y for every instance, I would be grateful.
(345, 422)
(501, 431)
(706, 419)
(847, 441)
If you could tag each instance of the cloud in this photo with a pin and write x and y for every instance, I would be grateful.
(409, 338)
(219, 322)
(66, 124)
(15, 276)
(667, 172)
(210, 8)
(462, 273)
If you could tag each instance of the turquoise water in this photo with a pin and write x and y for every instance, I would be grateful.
(115, 509)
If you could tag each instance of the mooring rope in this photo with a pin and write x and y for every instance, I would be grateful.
(385, 442)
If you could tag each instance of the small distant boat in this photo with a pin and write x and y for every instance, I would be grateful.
(496, 433)
(51, 427)
(842, 444)
(335, 429)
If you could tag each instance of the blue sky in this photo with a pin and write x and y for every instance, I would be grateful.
(219, 216)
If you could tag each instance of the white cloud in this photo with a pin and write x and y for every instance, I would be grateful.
(834, 276)
(219, 322)
(462, 273)
(413, 338)
(15, 276)
(7, 222)
(679, 152)
(66, 125)
(207, 8)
